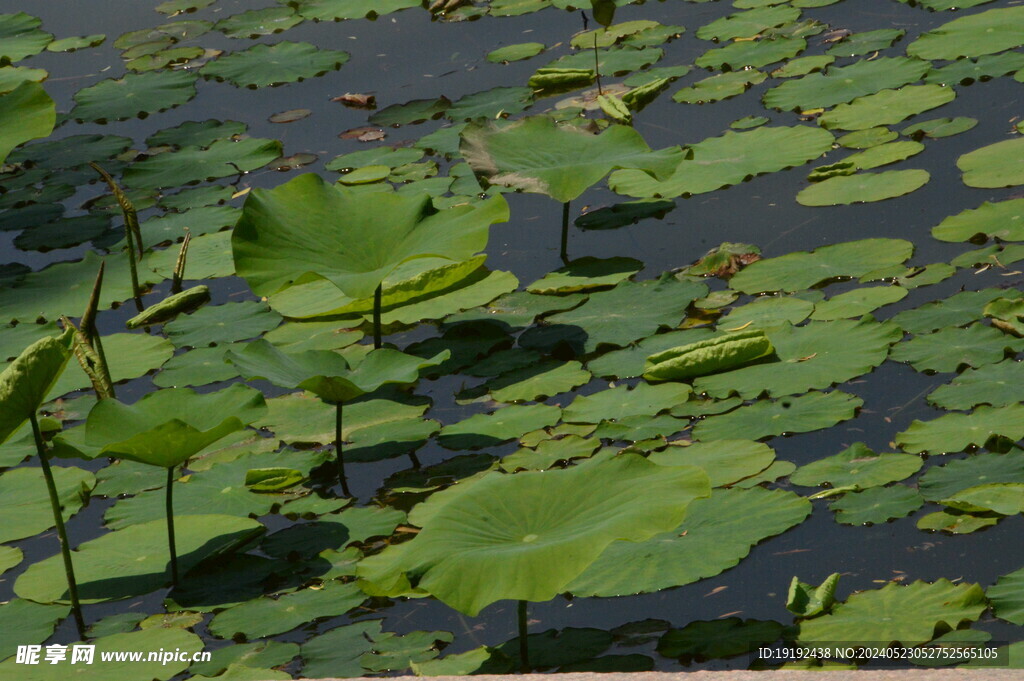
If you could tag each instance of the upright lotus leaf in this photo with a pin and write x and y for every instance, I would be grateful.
(25, 382)
(26, 113)
(526, 536)
(538, 155)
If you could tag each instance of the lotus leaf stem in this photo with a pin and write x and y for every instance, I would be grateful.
(338, 458)
(597, 66)
(524, 647)
(564, 253)
(62, 534)
(170, 526)
(377, 295)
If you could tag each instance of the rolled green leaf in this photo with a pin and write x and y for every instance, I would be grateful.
(552, 78)
(708, 357)
(171, 307)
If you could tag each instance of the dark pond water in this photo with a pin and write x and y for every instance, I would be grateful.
(405, 56)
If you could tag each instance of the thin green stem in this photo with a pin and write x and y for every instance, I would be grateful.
(597, 66)
(524, 647)
(338, 458)
(170, 526)
(377, 295)
(564, 253)
(62, 534)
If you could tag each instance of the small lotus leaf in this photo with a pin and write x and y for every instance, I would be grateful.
(1007, 596)
(337, 10)
(26, 113)
(130, 355)
(997, 165)
(620, 402)
(585, 274)
(844, 83)
(956, 432)
(719, 87)
(801, 414)
(747, 24)
(538, 381)
(258, 22)
(223, 158)
(27, 623)
(494, 103)
(1003, 220)
(614, 61)
(857, 466)
(516, 52)
(1004, 498)
(134, 95)
(339, 650)
(752, 53)
(940, 127)
(508, 423)
(725, 461)
(213, 325)
(952, 348)
(20, 36)
(998, 385)
(267, 616)
(956, 522)
(266, 65)
(863, 187)
(876, 505)
(943, 482)
(887, 107)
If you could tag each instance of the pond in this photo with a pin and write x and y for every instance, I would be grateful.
(663, 332)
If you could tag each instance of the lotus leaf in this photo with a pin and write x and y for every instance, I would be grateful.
(585, 274)
(863, 187)
(998, 385)
(516, 52)
(857, 466)
(26, 509)
(730, 159)
(637, 499)
(25, 622)
(557, 648)
(956, 432)
(266, 65)
(876, 505)
(947, 5)
(520, 308)
(719, 87)
(805, 600)
(845, 83)
(174, 7)
(951, 348)
(908, 614)
(133, 561)
(801, 414)
(972, 36)
(718, 638)
(887, 107)
(25, 382)
(266, 616)
(1006, 498)
(997, 165)
(767, 312)
(966, 71)
(752, 53)
(10, 557)
(747, 24)
(1003, 220)
(946, 481)
(474, 293)
(957, 310)
(130, 355)
(21, 37)
(508, 423)
(717, 534)
(866, 139)
(621, 402)
(1007, 596)
(867, 42)
(725, 461)
(941, 127)
(339, 650)
(880, 155)
(801, 66)
(222, 324)
(494, 103)
(26, 113)
(134, 95)
(302, 418)
(337, 10)
(613, 61)
(258, 654)
(13, 76)
(258, 22)
(196, 133)
(223, 158)
(708, 356)
(538, 381)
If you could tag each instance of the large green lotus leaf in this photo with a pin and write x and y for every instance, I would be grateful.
(956, 522)
(129, 355)
(876, 505)
(25, 382)
(997, 165)
(600, 320)
(814, 356)
(708, 640)
(857, 466)
(858, 302)
(527, 536)
(337, 10)
(956, 432)
(285, 62)
(537, 155)
(213, 325)
(1007, 596)
(622, 402)
(26, 113)
(725, 461)
(719, 87)
(753, 53)
(167, 427)
(269, 616)
(908, 614)
(303, 418)
(801, 270)
(223, 158)
(27, 623)
(539, 381)
(717, 533)
(289, 231)
(13, 76)
(133, 561)
(730, 159)
(136, 94)
(971, 36)
(764, 418)
(21, 37)
(585, 274)
(326, 373)
(995, 384)
(957, 310)
(845, 83)
(886, 107)
(863, 187)
(747, 24)
(950, 348)
(1001, 220)
(258, 22)
(25, 507)
(942, 482)
(155, 640)
(1004, 498)
(507, 423)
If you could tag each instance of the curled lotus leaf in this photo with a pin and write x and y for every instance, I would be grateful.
(170, 307)
(1007, 315)
(25, 382)
(708, 356)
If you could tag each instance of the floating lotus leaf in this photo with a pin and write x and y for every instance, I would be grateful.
(133, 561)
(717, 88)
(866, 139)
(951, 348)
(845, 83)
(956, 432)
(10, 556)
(516, 52)
(946, 5)
(617, 33)
(266, 616)
(521, 308)
(730, 159)
(13, 76)
(883, 154)
(718, 638)
(946, 481)
(554, 648)
(25, 382)
(956, 522)
(941, 127)
(1004, 498)
(708, 356)
(867, 42)
(536, 382)
(258, 22)
(26, 511)
(21, 37)
(167, 427)
(130, 355)
(613, 61)
(134, 95)
(63, 233)
(303, 418)
(809, 357)
(972, 36)
(998, 385)
(725, 461)
(766, 313)
(1002, 220)
(966, 71)
(196, 133)
(223, 158)
(549, 452)
(339, 650)
(291, 230)
(508, 423)
(752, 53)
(748, 122)
(747, 24)
(717, 534)
(585, 274)
(1007, 596)
(1007, 315)
(858, 302)
(801, 66)
(585, 508)
(477, 290)
(213, 325)
(863, 187)
(491, 103)
(621, 402)
(26, 113)
(599, 321)
(802, 414)
(337, 10)
(27, 623)
(997, 165)
(908, 614)
(887, 107)
(257, 654)
(957, 310)
(266, 65)
(857, 466)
